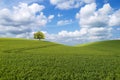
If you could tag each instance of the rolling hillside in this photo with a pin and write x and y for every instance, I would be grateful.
(22, 59)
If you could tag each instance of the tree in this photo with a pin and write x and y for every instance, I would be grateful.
(39, 35)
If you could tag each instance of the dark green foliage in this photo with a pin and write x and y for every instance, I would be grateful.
(39, 35)
(39, 60)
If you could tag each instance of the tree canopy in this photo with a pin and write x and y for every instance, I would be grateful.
(39, 35)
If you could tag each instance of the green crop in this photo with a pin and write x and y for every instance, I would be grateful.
(22, 59)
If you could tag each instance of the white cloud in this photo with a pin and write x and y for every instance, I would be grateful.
(50, 17)
(34, 7)
(64, 22)
(86, 11)
(96, 21)
(11, 3)
(78, 36)
(68, 4)
(22, 19)
(59, 15)
(115, 18)
(95, 18)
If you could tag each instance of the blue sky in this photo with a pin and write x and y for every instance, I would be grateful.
(64, 21)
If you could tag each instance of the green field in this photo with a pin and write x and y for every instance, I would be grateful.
(22, 59)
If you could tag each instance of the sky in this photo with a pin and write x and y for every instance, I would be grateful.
(68, 22)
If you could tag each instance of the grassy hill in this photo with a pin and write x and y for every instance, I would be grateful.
(22, 59)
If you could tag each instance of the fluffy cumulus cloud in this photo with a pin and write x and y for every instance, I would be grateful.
(95, 24)
(21, 20)
(64, 22)
(95, 21)
(79, 36)
(68, 4)
(50, 17)
(11, 3)
(115, 19)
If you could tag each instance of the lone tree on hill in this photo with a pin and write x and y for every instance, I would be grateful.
(39, 35)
